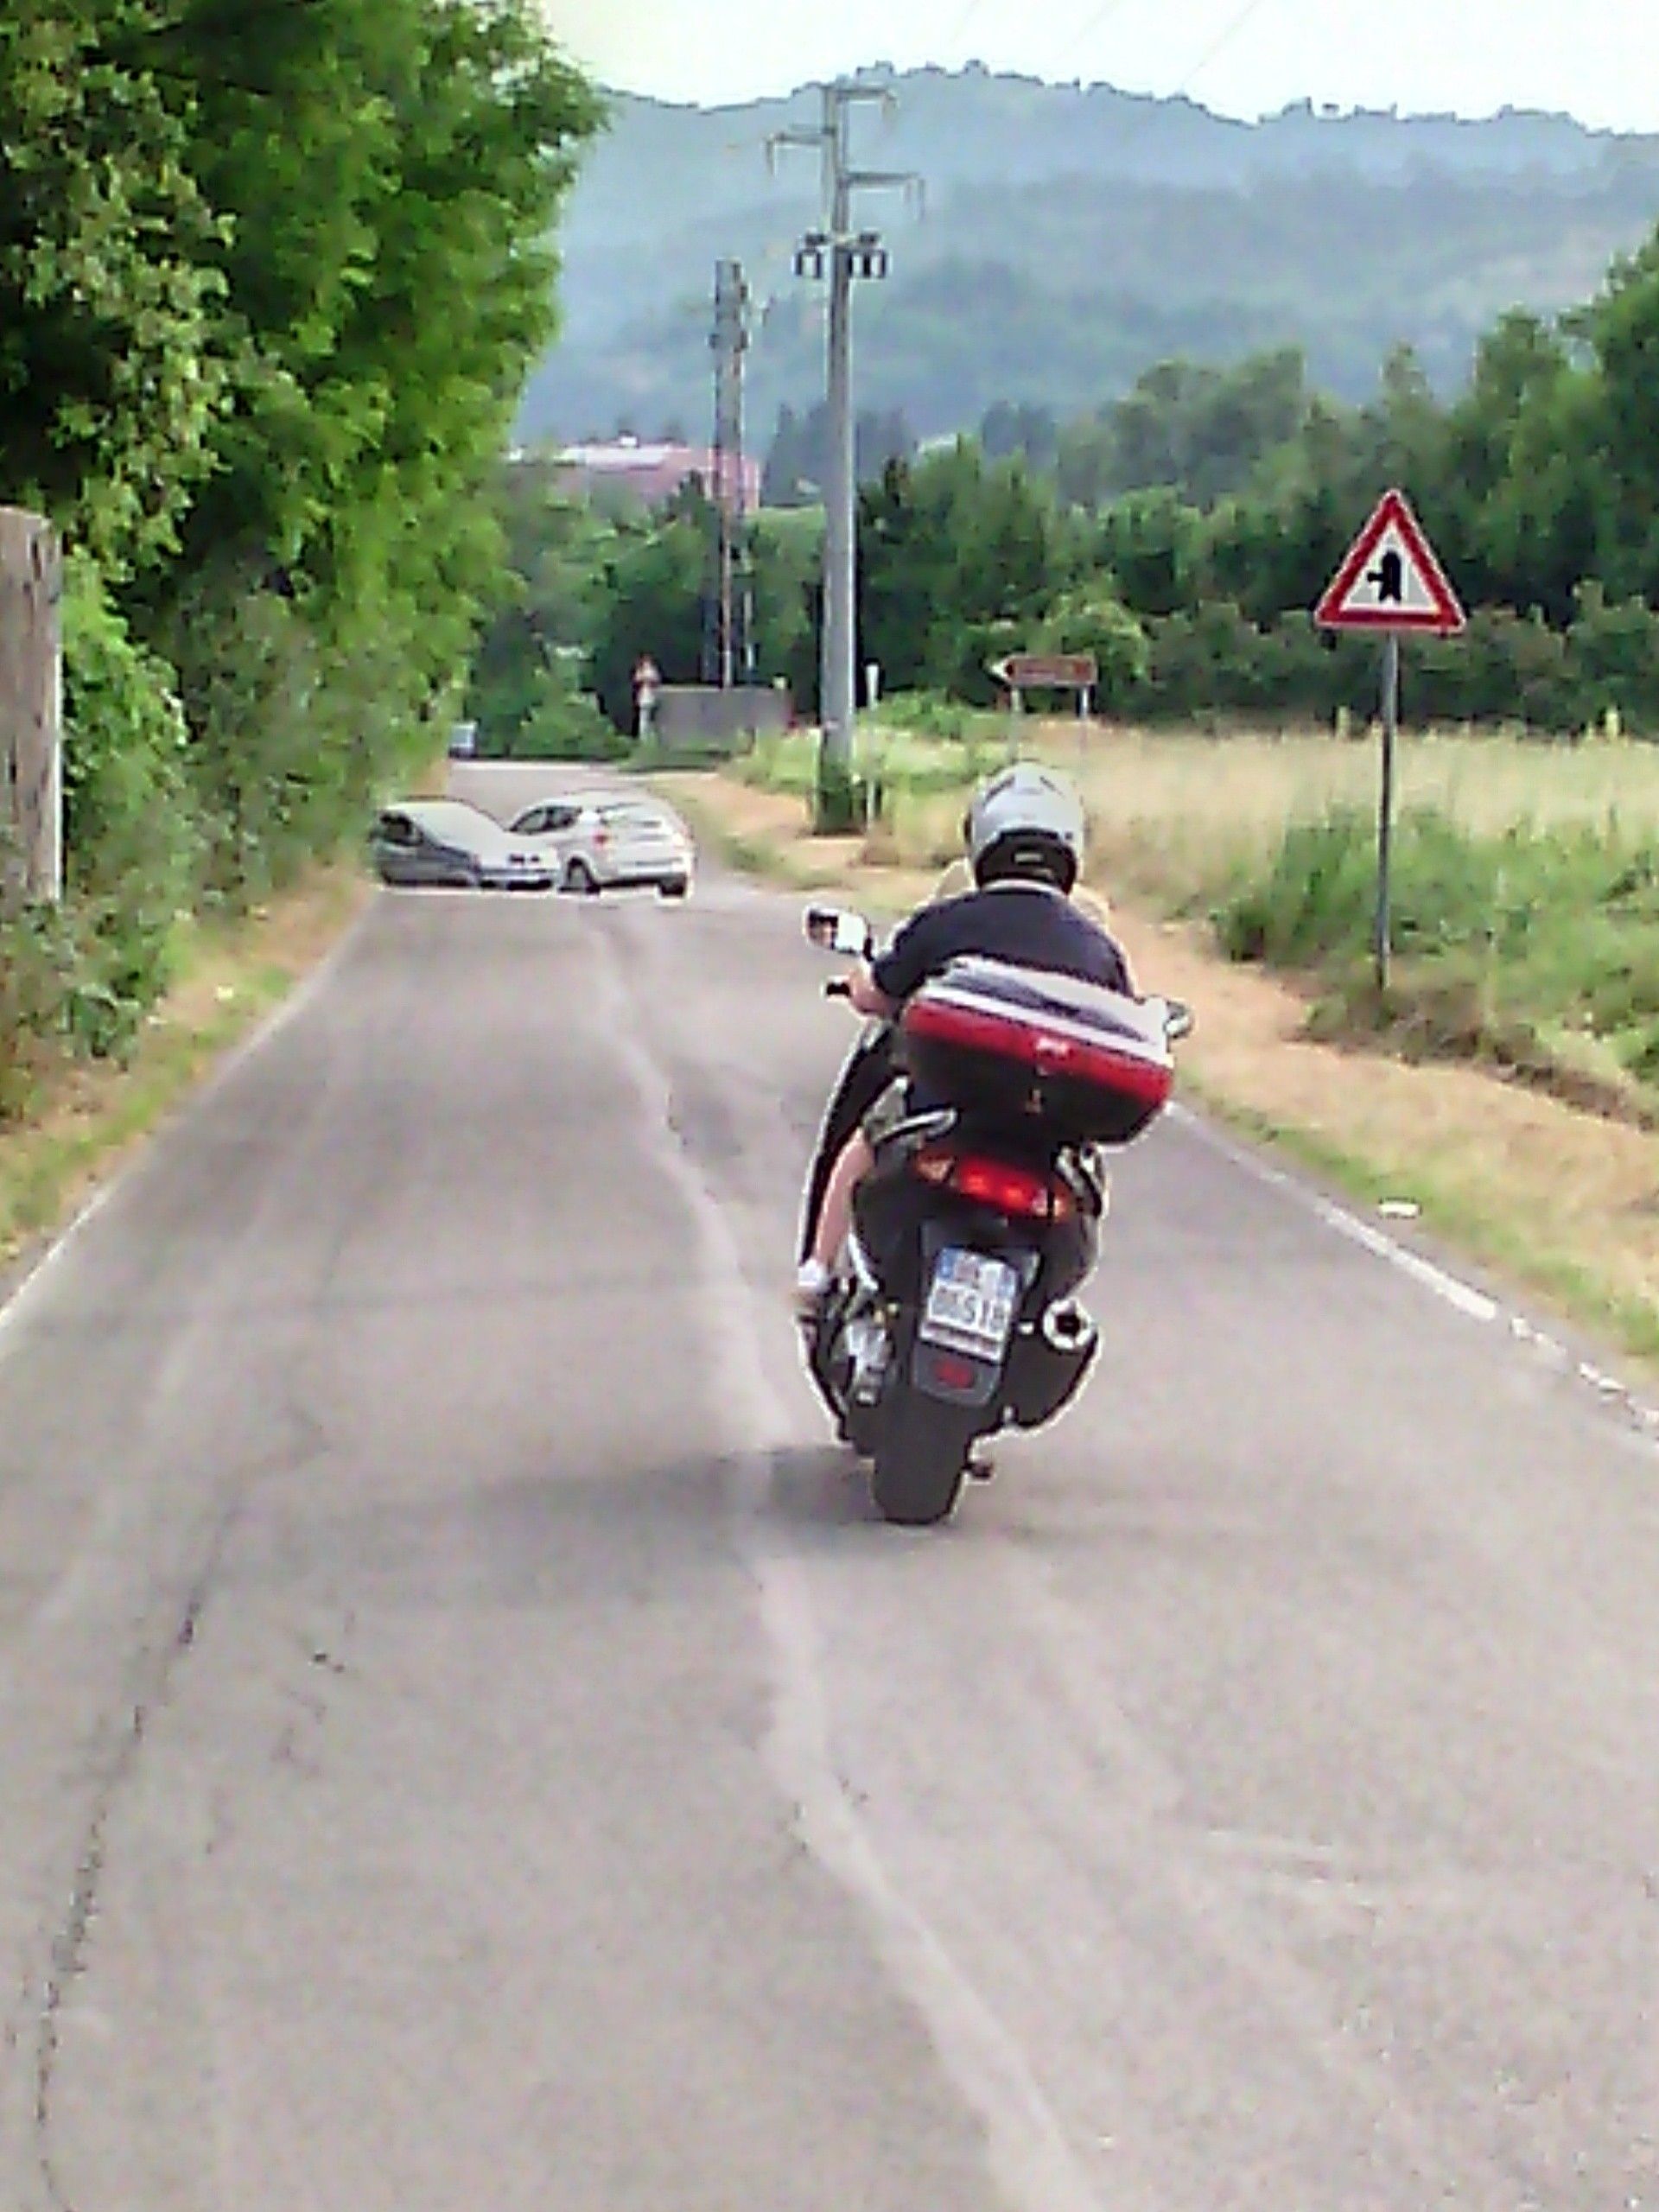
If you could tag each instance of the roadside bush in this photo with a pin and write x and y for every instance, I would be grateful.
(1506, 667)
(1091, 619)
(249, 677)
(36, 964)
(293, 730)
(1215, 661)
(565, 723)
(1539, 949)
(1615, 647)
(132, 847)
(931, 713)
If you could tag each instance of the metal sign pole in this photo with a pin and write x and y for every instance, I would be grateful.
(1385, 810)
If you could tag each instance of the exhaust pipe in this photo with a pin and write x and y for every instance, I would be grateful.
(1068, 1327)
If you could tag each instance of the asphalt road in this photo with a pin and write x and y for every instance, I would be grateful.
(465, 1745)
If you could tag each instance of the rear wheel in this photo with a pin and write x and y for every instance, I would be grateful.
(580, 877)
(675, 889)
(921, 1456)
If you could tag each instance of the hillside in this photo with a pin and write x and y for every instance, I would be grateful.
(1070, 236)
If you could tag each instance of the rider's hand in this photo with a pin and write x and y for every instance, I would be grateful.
(867, 995)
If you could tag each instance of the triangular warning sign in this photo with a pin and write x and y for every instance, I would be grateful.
(1390, 579)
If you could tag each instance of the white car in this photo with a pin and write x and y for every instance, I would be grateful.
(605, 842)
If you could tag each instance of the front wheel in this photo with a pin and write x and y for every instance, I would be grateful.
(921, 1456)
(580, 878)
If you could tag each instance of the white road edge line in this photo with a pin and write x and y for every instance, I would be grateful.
(36, 1277)
(1475, 1305)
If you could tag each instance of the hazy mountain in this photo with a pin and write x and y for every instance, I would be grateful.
(1069, 238)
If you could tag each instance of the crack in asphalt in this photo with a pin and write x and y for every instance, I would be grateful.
(69, 1949)
(159, 1678)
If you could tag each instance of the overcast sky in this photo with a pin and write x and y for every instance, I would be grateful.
(1597, 59)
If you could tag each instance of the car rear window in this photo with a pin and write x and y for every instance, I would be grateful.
(636, 817)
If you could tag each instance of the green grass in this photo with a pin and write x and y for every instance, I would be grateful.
(39, 1167)
(1536, 948)
(903, 762)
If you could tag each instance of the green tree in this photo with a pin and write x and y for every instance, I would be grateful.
(543, 614)
(131, 842)
(1091, 619)
(788, 562)
(1618, 421)
(797, 459)
(392, 171)
(957, 557)
(108, 382)
(1151, 543)
(654, 586)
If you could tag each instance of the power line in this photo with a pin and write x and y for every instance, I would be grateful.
(1102, 15)
(962, 24)
(1225, 40)
(1224, 37)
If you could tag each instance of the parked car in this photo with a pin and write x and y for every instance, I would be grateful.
(443, 841)
(602, 842)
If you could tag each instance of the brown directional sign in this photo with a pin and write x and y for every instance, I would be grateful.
(1053, 672)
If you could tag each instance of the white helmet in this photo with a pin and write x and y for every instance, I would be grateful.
(1025, 821)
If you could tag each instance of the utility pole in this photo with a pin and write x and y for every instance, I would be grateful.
(848, 254)
(730, 341)
(31, 698)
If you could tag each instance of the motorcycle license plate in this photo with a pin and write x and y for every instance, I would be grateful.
(970, 1304)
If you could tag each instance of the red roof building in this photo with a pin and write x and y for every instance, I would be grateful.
(653, 471)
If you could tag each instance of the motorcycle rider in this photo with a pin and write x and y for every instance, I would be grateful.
(1025, 836)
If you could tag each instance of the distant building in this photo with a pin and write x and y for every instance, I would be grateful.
(653, 471)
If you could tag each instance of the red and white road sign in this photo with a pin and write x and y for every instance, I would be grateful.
(1390, 579)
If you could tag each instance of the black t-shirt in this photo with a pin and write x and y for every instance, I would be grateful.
(1028, 925)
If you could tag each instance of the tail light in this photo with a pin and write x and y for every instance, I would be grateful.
(995, 1183)
(952, 1372)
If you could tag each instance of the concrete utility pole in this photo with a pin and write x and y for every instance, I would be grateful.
(729, 339)
(848, 254)
(31, 697)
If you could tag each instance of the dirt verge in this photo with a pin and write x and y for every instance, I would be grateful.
(94, 1114)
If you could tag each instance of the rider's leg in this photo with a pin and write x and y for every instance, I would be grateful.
(834, 1219)
(835, 1215)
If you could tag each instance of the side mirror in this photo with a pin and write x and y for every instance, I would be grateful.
(837, 928)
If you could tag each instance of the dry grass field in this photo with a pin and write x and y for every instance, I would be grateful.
(1177, 813)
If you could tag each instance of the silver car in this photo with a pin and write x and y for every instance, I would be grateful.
(603, 843)
(442, 841)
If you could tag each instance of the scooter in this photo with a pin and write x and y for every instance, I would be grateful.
(953, 1313)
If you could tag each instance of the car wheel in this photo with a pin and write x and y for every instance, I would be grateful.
(580, 877)
(677, 889)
